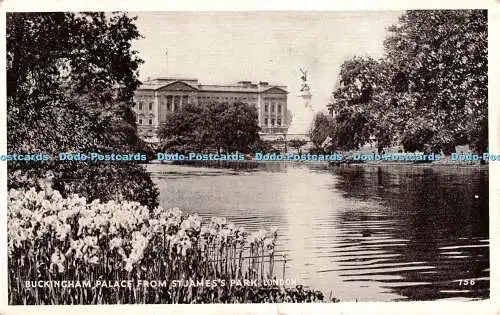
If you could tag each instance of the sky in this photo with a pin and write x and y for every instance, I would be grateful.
(226, 47)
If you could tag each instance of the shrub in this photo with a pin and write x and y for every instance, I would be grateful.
(102, 180)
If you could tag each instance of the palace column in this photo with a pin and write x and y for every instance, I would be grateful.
(283, 114)
(156, 109)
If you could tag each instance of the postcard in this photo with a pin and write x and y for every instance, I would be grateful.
(249, 160)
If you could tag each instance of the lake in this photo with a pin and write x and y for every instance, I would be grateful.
(366, 233)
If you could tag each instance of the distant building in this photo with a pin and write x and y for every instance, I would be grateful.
(158, 97)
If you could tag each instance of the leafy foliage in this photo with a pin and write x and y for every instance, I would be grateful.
(217, 126)
(430, 89)
(186, 130)
(296, 143)
(70, 83)
(442, 55)
(323, 126)
(262, 146)
(361, 110)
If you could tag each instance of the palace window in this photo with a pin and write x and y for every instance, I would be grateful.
(176, 104)
(272, 122)
(279, 122)
(140, 105)
(265, 122)
(150, 106)
(169, 102)
(150, 121)
(140, 121)
(272, 107)
(279, 108)
(266, 108)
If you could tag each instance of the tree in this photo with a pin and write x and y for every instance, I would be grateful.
(440, 62)
(70, 84)
(323, 126)
(235, 126)
(264, 146)
(360, 104)
(186, 130)
(297, 143)
(216, 126)
(429, 91)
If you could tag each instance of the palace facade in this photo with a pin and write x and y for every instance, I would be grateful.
(154, 99)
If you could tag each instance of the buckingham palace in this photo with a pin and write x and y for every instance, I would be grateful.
(155, 98)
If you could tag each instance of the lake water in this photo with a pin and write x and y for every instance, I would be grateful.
(360, 233)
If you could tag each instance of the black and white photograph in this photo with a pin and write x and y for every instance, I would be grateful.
(222, 157)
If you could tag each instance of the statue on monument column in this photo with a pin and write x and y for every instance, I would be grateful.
(305, 86)
(302, 113)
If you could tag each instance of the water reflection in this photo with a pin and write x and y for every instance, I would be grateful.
(358, 232)
(432, 223)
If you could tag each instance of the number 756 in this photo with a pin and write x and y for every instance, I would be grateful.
(465, 282)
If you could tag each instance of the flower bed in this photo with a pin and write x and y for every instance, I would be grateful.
(63, 240)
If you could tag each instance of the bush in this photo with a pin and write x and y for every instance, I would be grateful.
(98, 180)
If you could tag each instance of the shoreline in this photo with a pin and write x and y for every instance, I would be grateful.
(437, 164)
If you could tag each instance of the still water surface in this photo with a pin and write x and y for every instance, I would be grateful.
(359, 233)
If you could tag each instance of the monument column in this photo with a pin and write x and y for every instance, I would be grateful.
(303, 113)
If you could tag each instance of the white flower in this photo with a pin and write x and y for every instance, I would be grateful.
(50, 220)
(84, 222)
(62, 231)
(257, 237)
(94, 260)
(41, 195)
(46, 204)
(56, 195)
(57, 259)
(128, 266)
(116, 242)
(112, 229)
(269, 244)
(27, 214)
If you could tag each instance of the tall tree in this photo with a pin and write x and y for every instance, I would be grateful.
(430, 89)
(360, 104)
(236, 126)
(441, 76)
(214, 127)
(186, 130)
(70, 84)
(323, 127)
